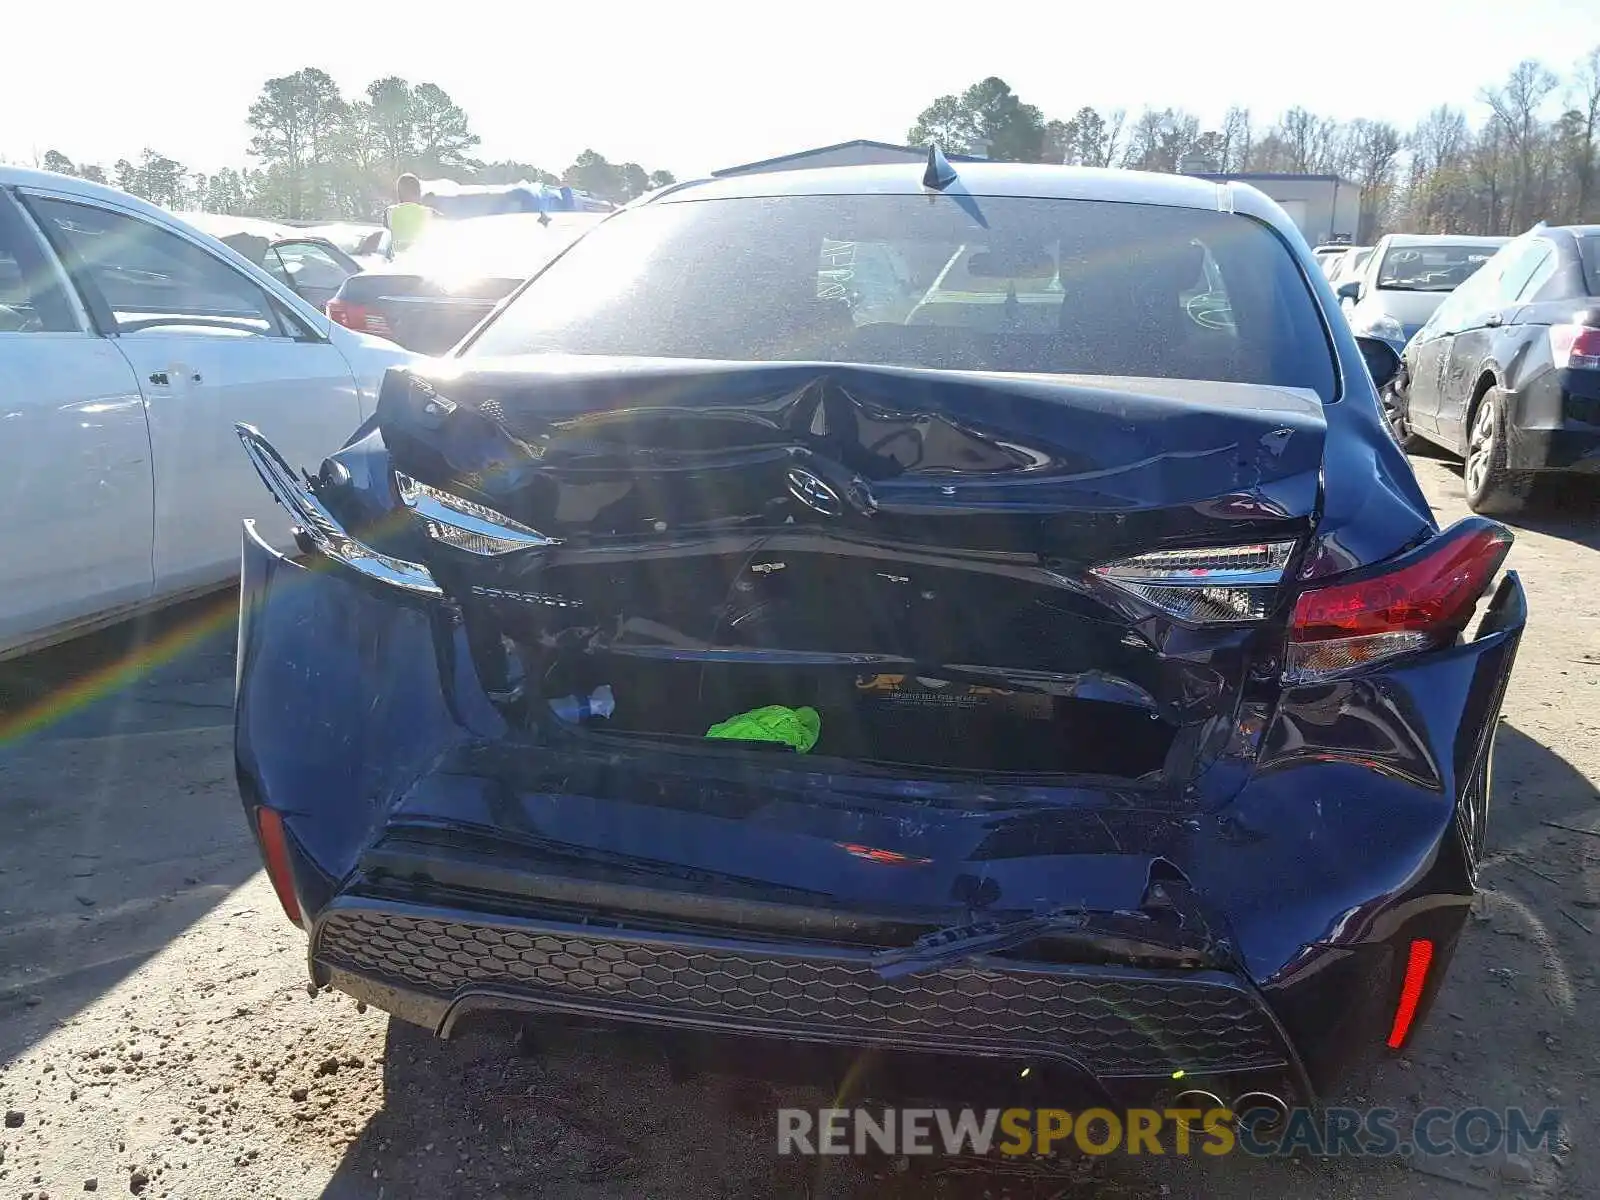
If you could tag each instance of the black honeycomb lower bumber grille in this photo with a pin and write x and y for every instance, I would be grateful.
(1109, 1022)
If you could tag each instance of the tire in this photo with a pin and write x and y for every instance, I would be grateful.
(1492, 488)
(1397, 412)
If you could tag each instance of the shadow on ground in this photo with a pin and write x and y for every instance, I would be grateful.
(1560, 506)
(117, 800)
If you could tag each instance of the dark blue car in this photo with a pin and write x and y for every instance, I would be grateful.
(1098, 704)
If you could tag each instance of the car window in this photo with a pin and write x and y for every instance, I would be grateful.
(1350, 265)
(1435, 267)
(985, 284)
(151, 278)
(1543, 270)
(306, 264)
(1589, 252)
(33, 296)
(1512, 273)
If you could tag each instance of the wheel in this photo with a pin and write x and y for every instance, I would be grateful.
(1492, 488)
(1397, 411)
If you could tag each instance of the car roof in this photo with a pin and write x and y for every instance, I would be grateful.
(72, 185)
(1032, 180)
(220, 225)
(1442, 239)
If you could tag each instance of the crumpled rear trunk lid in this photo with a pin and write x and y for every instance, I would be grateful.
(910, 553)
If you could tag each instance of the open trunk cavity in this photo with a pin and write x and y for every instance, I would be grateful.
(711, 538)
(887, 717)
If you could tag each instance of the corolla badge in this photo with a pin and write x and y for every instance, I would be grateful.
(815, 493)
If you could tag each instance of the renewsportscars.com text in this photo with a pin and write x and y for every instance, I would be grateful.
(1371, 1132)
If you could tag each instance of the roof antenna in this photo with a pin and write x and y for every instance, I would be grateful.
(940, 174)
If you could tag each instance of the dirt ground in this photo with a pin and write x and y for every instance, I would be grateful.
(156, 1036)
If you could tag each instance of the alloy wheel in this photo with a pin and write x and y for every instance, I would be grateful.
(1480, 447)
(1394, 411)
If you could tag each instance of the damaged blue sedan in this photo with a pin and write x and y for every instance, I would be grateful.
(957, 625)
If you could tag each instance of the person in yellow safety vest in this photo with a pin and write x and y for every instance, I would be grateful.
(408, 218)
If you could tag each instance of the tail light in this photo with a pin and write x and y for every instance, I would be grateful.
(1575, 347)
(1422, 599)
(1207, 586)
(458, 522)
(358, 317)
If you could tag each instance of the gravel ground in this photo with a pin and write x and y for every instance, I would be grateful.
(156, 1036)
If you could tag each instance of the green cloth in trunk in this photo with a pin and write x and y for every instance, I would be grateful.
(797, 728)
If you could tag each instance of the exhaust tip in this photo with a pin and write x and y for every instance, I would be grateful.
(1202, 1100)
(1253, 1103)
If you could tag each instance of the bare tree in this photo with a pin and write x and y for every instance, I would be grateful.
(1371, 158)
(1116, 122)
(1309, 140)
(1579, 135)
(1235, 151)
(1435, 191)
(1515, 107)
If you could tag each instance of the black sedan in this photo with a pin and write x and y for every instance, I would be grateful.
(1507, 372)
(981, 622)
(432, 295)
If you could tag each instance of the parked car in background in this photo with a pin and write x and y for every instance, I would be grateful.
(365, 242)
(1035, 655)
(431, 295)
(310, 264)
(1506, 373)
(1406, 277)
(1327, 255)
(130, 344)
(1348, 266)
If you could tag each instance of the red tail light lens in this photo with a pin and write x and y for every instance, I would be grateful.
(358, 317)
(1423, 599)
(1416, 978)
(275, 851)
(1575, 347)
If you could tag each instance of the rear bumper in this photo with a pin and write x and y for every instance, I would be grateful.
(1117, 1034)
(1554, 424)
(1348, 831)
(1572, 449)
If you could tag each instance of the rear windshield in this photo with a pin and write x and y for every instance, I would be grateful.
(1439, 268)
(953, 282)
(1589, 249)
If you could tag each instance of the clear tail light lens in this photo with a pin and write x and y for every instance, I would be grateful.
(1575, 347)
(464, 524)
(1421, 600)
(1204, 586)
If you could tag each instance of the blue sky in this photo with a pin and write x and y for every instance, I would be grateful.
(696, 84)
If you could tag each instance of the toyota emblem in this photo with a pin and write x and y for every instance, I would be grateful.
(814, 492)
